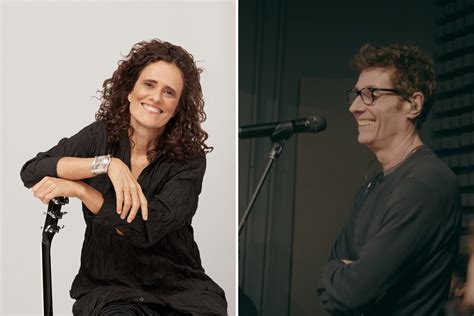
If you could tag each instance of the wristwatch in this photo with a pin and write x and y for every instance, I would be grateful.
(101, 164)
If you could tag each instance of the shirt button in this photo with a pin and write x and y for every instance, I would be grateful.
(141, 299)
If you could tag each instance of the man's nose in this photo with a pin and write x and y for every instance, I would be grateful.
(357, 105)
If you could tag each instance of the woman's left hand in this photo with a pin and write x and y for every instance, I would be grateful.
(51, 187)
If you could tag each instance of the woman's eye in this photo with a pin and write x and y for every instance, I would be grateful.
(169, 93)
(148, 84)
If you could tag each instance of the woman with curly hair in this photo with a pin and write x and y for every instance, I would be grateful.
(138, 171)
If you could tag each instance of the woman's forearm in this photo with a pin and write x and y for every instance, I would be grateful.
(73, 168)
(91, 198)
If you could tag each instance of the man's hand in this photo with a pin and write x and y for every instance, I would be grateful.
(51, 187)
(347, 261)
(469, 293)
(128, 192)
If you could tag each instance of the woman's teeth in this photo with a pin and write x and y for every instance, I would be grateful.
(151, 109)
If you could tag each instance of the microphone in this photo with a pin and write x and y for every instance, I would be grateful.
(310, 124)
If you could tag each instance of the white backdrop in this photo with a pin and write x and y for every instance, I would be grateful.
(55, 56)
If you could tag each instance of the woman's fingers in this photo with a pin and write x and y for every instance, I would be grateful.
(143, 205)
(127, 202)
(38, 185)
(129, 195)
(51, 187)
(133, 200)
(49, 196)
(43, 188)
(118, 198)
(135, 205)
(128, 192)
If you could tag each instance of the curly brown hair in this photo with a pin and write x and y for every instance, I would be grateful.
(414, 71)
(183, 137)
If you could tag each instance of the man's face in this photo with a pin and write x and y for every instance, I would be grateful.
(385, 122)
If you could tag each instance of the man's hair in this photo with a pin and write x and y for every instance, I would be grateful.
(414, 71)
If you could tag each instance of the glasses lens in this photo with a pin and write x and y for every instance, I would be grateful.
(367, 96)
(351, 96)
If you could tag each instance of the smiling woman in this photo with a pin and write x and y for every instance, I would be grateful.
(138, 171)
(155, 95)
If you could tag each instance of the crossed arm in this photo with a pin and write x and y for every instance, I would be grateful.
(396, 249)
(70, 170)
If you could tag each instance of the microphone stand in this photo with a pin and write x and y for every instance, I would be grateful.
(282, 133)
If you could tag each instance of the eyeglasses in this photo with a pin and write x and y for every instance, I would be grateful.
(367, 94)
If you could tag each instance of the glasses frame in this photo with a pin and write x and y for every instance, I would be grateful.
(359, 93)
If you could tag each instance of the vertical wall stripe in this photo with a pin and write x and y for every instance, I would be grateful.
(252, 153)
(269, 229)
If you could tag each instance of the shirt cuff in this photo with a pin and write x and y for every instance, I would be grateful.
(108, 215)
(330, 268)
(49, 165)
(45, 167)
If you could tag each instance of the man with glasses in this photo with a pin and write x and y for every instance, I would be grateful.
(396, 252)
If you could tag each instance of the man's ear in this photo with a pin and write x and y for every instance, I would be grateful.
(416, 105)
(460, 290)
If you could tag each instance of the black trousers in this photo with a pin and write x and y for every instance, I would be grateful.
(138, 309)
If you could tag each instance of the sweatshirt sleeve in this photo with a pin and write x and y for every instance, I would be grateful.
(412, 220)
(340, 250)
(169, 209)
(44, 164)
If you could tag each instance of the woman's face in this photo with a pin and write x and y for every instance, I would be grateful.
(155, 96)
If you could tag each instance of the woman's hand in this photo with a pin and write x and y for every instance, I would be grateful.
(51, 187)
(128, 192)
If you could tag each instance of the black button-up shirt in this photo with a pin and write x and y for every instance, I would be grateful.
(156, 261)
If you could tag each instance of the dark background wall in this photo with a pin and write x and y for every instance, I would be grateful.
(294, 61)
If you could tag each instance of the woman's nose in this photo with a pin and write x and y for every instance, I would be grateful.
(156, 96)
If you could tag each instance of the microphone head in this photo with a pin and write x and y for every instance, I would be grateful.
(314, 124)
(311, 124)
